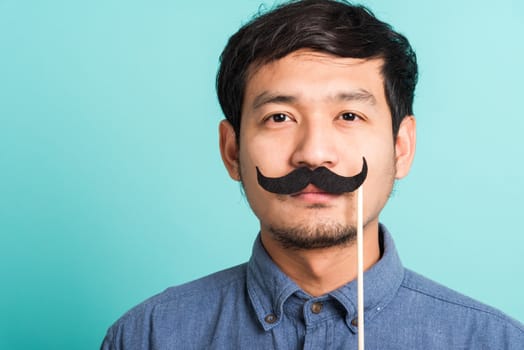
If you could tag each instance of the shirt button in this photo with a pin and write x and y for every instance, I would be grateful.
(354, 322)
(316, 307)
(270, 318)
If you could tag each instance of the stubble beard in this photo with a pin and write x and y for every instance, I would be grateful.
(303, 237)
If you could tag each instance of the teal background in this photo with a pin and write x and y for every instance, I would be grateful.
(111, 184)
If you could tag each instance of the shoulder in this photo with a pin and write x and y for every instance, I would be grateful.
(179, 307)
(207, 287)
(442, 303)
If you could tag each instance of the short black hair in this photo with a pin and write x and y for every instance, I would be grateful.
(334, 27)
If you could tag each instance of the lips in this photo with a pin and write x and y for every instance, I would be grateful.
(312, 195)
(310, 189)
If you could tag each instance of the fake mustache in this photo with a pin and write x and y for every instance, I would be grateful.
(321, 177)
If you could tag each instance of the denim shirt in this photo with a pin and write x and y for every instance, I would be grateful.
(256, 306)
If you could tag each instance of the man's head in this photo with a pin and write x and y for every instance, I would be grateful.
(316, 84)
(327, 26)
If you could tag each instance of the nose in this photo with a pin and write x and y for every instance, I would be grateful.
(315, 146)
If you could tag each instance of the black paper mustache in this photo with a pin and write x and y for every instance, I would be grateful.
(321, 177)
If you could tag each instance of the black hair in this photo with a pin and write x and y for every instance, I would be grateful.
(334, 27)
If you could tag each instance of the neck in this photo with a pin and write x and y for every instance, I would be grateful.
(320, 271)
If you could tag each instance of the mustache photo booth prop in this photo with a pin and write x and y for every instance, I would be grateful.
(321, 177)
(328, 181)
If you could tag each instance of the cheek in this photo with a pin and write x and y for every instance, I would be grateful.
(251, 157)
(272, 160)
(270, 156)
(380, 156)
(256, 196)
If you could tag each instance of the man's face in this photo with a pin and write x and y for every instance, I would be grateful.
(312, 109)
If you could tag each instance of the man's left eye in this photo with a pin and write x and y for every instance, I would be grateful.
(349, 116)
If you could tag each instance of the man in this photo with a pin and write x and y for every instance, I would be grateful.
(315, 84)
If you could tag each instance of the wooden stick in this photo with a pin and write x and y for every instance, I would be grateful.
(360, 267)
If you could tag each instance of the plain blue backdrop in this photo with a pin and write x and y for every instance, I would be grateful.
(111, 183)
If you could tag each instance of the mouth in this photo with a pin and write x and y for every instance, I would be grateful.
(313, 195)
(309, 189)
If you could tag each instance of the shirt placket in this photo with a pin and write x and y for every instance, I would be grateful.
(319, 329)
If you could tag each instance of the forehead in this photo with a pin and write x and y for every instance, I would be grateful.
(315, 75)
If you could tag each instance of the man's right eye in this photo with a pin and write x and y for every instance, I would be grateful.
(278, 118)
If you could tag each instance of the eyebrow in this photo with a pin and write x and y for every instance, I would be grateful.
(356, 95)
(267, 97)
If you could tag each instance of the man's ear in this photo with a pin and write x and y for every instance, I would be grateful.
(229, 149)
(405, 146)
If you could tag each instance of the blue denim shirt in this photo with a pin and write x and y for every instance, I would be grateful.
(256, 306)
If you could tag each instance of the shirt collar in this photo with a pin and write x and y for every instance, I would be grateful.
(268, 287)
